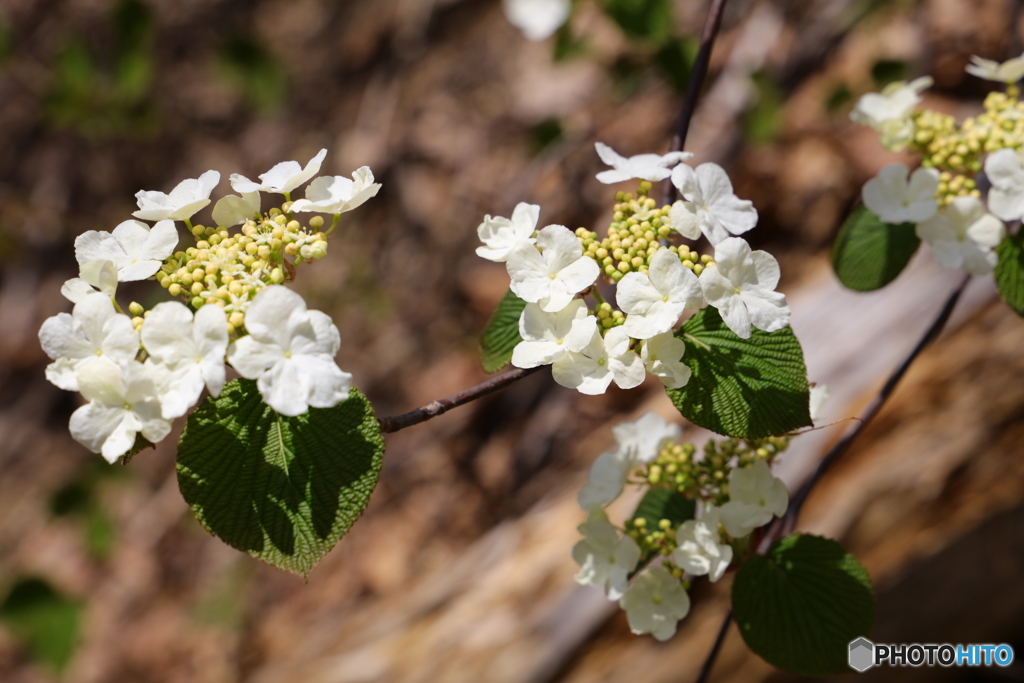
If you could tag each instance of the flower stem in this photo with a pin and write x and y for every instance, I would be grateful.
(334, 224)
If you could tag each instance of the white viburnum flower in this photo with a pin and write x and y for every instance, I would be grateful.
(653, 301)
(501, 235)
(698, 550)
(963, 236)
(548, 337)
(755, 496)
(290, 353)
(644, 438)
(895, 200)
(231, 209)
(337, 194)
(188, 197)
(819, 396)
(650, 167)
(710, 205)
(537, 19)
(605, 557)
(135, 249)
(98, 275)
(552, 275)
(189, 350)
(94, 329)
(662, 355)
(123, 402)
(1006, 198)
(655, 603)
(1009, 72)
(606, 479)
(282, 178)
(741, 284)
(602, 361)
(889, 111)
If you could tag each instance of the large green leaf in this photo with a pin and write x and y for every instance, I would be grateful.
(502, 333)
(661, 503)
(283, 489)
(748, 388)
(868, 254)
(1010, 272)
(799, 606)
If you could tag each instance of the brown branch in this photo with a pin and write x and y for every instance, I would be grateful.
(705, 670)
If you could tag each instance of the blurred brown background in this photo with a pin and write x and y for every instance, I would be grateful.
(460, 568)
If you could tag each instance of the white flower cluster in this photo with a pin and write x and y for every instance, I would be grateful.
(589, 349)
(656, 599)
(141, 372)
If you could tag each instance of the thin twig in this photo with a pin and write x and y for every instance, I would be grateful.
(705, 670)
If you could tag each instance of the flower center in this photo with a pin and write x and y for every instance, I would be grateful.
(552, 276)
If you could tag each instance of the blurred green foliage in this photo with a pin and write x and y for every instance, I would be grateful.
(885, 71)
(649, 20)
(762, 122)
(676, 57)
(545, 134)
(837, 100)
(45, 620)
(77, 501)
(249, 66)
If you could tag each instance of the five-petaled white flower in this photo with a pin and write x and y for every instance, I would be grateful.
(655, 603)
(755, 496)
(653, 301)
(94, 329)
(1006, 198)
(188, 197)
(337, 194)
(740, 284)
(698, 550)
(1009, 72)
(650, 167)
(231, 209)
(963, 236)
(606, 479)
(602, 361)
(889, 111)
(644, 437)
(710, 205)
(547, 337)
(188, 352)
(895, 200)
(282, 178)
(136, 250)
(552, 275)
(605, 557)
(98, 275)
(662, 355)
(501, 235)
(290, 353)
(123, 401)
(537, 19)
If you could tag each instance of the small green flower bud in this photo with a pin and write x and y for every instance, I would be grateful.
(135, 308)
(316, 222)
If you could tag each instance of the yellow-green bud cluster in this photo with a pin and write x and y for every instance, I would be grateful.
(608, 318)
(660, 539)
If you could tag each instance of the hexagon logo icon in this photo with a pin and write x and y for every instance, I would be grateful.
(862, 655)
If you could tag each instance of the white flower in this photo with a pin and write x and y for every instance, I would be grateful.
(655, 603)
(650, 167)
(894, 200)
(537, 19)
(605, 557)
(653, 301)
(1009, 72)
(698, 550)
(550, 277)
(188, 197)
(98, 275)
(662, 355)
(337, 194)
(547, 337)
(282, 178)
(606, 479)
(94, 329)
(189, 350)
(819, 396)
(290, 353)
(963, 236)
(889, 111)
(603, 360)
(710, 206)
(1006, 198)
(231, 209)
(123, 401)
(755, 496)
(135, 250)
(740, 285)
(501, 235)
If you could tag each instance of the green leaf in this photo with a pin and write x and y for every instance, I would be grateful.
(283, 489)
(748, 388)
(662, 503)
(799, 606)
(1010, 272)
(868, 254)
(502, 333)
(44, 619)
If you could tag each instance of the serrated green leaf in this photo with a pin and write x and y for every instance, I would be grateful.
(1010, 272)
(799, 606)
(283, 489)
(748, 388)
(502, 333)
(661, 503)
(868, 254)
